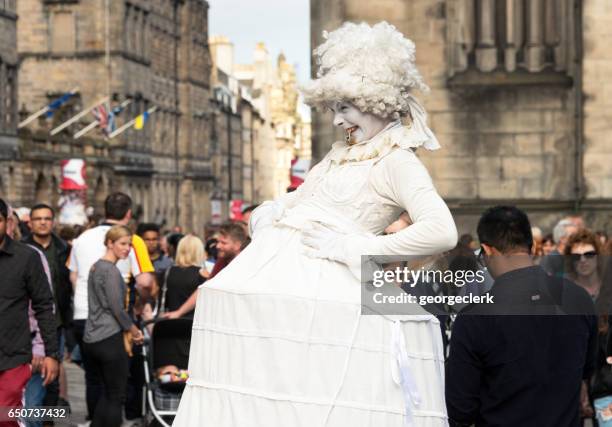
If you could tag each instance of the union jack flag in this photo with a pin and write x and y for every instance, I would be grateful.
(106, 117)
(100, 113)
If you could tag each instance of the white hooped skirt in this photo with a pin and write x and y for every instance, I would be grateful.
(278, 341)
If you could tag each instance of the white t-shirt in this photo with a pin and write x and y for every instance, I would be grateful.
(86, 250)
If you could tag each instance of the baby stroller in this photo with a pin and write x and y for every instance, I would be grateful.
(167, 345)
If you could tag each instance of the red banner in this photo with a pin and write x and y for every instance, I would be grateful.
(235, 213)
(73, 175)
(299, 169)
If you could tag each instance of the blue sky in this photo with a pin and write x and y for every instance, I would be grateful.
(283, 25)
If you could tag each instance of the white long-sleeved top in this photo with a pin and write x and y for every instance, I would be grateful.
(359, 190)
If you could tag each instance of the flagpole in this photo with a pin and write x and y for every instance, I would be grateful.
(40, 112)
(86, 129)
(95, 123)
(130, 123)
(77, 117)
(107, 46)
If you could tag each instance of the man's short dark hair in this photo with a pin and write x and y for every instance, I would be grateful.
(40, 206)
(117, 205)
(145, 227)
(3, 209)
(506, 228)
(236, 232)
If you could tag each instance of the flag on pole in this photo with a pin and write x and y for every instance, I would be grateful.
(136, 123)
(140, 121)
(48, 109)
(104, 119)
(111, 123)
(53, 106)
(73, 119)
(100, 113)
(105, 116)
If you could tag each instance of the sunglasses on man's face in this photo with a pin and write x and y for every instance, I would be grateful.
(587, 256)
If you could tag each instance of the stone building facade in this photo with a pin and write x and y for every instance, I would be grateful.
(151, 52)
(8, 97)
(235, 130)
(519, 100)
(266, 98)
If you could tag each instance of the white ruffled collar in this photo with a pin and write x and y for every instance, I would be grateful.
(415, 135)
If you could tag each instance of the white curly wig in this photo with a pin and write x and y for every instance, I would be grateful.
(371, 67)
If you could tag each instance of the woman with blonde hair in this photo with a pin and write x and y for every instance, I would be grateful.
(107, 320)
(184, 277)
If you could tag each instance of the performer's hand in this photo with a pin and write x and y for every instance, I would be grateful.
(321, 242)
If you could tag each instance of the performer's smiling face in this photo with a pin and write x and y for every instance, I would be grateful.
(357, 125)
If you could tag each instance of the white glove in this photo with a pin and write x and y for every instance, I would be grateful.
(321, 242)
(265, 215)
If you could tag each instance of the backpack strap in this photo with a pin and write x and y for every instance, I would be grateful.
(162, 303)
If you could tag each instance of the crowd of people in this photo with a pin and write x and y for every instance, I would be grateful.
(83, 294)
(556, 351)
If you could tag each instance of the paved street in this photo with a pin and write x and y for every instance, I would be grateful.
(76, 393)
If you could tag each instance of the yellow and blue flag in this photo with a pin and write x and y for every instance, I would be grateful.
(140, 121)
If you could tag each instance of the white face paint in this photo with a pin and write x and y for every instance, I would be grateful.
(357, 125)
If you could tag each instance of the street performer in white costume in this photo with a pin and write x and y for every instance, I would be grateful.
(278, 336)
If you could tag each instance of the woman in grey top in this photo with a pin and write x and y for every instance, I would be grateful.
(106, 322)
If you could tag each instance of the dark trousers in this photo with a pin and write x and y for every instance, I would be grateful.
(110, 361)
(93, 383)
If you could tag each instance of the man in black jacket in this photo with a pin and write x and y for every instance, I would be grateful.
(520, 361)
(56, 251)
(42, 220)
(23, 280)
